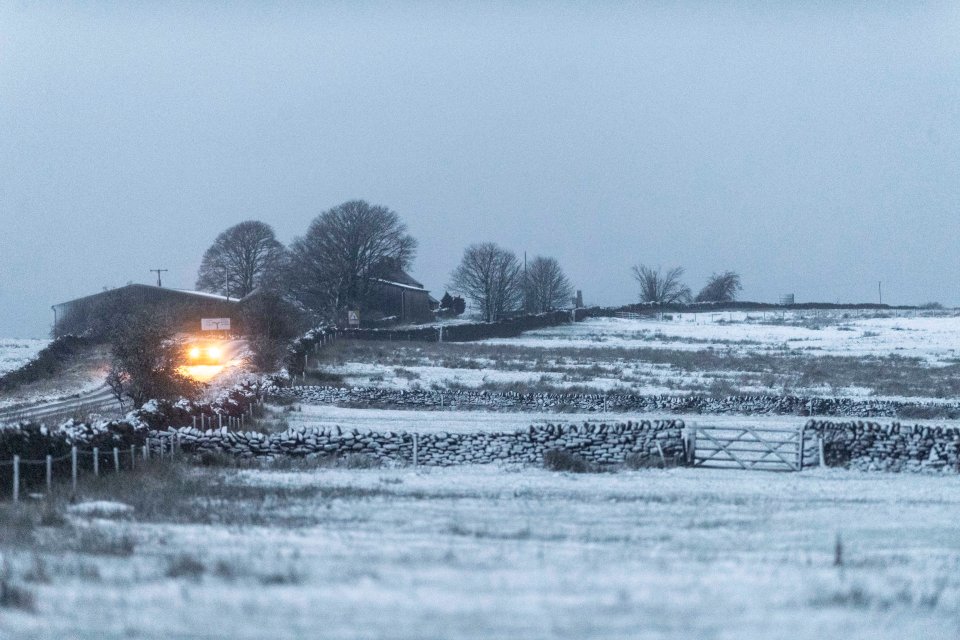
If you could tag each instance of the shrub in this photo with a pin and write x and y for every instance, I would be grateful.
(16, 597)
(635, 461)
(358, 461)
(101, 542)
(563, 460)
(185, 566)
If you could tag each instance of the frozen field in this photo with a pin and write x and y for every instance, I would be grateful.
(15, 352)
(832, 354)
(487, 552)
(935, 339)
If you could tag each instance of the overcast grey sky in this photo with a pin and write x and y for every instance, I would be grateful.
(816, 150)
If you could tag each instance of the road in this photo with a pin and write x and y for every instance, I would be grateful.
(99, 400)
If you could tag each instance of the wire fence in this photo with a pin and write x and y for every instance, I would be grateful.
(95, 460)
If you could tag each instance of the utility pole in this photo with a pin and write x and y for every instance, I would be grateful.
(880, 290)
(526, 285)
(158, 272)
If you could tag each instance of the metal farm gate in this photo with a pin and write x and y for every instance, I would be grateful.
(753, 447)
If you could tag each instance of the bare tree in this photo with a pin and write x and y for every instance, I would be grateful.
(241, 259)
(492, 278)
(721, 287)
(334, 266)
(659, 287)
(145, 362)
(546, 286)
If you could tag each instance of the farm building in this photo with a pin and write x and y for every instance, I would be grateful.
(93, 315)
(399, 296)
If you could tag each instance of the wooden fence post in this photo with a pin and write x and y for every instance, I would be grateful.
(800, 447)
(16, 478)
(116, 460)
(146, 450)
(415, 449)
(823, 460)
(133, 456)
(73, 468)
(690, 440)
(96, 461)
(49, 473)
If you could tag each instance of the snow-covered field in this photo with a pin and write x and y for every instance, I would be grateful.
(488, 552)
(830, 354)
(16, 352)
(935, 339)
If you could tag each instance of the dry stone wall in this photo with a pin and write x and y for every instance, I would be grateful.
(599, 443)
(625, 403)
(871, 446)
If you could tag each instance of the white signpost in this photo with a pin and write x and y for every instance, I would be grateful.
(353, 318)
(214, 324)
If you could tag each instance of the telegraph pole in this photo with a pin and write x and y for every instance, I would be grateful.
(158, 272)
(880, 290)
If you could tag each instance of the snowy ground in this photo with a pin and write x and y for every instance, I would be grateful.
(831, 354)
(487, 552)
(935, 339)
(14, 352)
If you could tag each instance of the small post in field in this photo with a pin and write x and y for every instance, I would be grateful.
(16, 478)
(194, 422)
(220, 420)
(96, 461)
(116, 460)
(133, 456)
(800, 448)
(415, 452)
(823, 460)
(146, 451)
(49, 473)
(73, 468)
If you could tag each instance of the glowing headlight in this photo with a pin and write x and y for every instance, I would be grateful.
(194, 353)
(214, 353)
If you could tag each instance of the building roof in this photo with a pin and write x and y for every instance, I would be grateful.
(151, 289)
(401, 285)
(401, 277)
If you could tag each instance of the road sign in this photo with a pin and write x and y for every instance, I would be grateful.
(214, 324)
(353, 318)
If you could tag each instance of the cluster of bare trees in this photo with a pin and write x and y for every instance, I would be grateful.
(667, 287)
(498, 284)
(329, 269)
